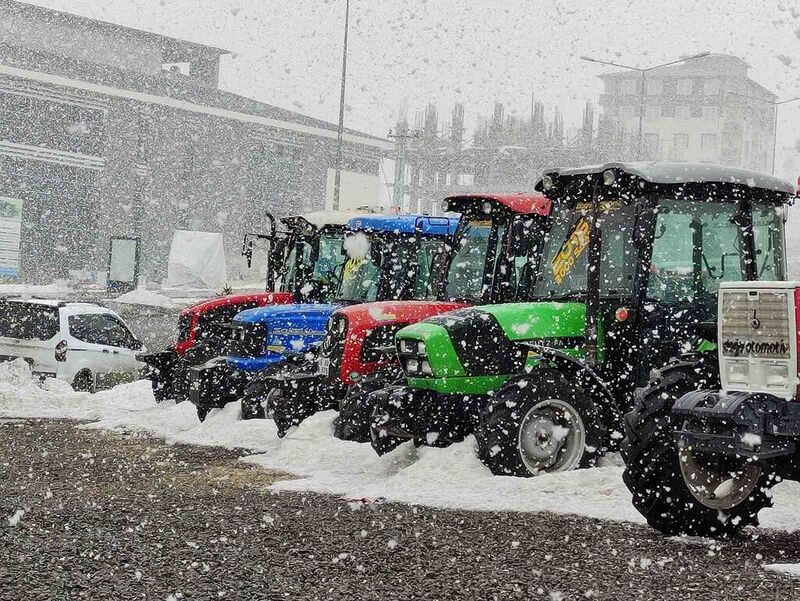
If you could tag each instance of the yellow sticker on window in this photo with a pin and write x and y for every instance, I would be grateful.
(351, 266)
(572, 248)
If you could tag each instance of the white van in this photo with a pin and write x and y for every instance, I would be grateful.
(84, 344)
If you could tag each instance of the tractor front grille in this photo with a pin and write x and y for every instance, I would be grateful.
(247, 339)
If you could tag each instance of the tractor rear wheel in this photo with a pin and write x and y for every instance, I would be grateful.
(539, 423)
(653, 471)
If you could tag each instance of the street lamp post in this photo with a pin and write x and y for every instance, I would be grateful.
(643, 71)
(775, 104)
(337, 181)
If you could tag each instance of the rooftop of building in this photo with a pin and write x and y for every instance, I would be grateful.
(174, 49)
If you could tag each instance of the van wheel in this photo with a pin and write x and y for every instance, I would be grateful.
(83, 382)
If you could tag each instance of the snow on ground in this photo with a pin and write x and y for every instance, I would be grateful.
(57, 289)
(790, 569)
(448, 478)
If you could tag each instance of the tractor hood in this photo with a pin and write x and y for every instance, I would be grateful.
(372, 315)
(298, 316)
(483, 340)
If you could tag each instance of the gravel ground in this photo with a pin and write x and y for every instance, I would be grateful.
(110, 516)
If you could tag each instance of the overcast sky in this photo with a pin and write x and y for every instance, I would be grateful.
(288, 52)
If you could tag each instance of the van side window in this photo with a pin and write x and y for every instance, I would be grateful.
(28, 321)
(100, 328)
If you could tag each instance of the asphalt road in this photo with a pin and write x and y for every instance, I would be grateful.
(110, 516)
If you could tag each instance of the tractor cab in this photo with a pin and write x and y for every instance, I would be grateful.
(644, 247)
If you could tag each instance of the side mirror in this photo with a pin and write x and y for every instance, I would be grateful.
(136, 344)
(247, 252)
(519, 242)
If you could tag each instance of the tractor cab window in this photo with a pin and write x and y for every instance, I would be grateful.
(361, 272)
(423, 257)
(523, 246)
(329, 260)
(698, 245)
(565, 260)
(299, 254)
(466, 272)
(769, 236)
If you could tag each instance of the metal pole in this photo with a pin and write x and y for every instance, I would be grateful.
(340, 133)
(641, 117)
(774, 135)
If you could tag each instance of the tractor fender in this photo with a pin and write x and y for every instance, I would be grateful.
(576, 370)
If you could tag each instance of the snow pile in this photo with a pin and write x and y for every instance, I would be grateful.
(142, 296)
(22, 395)
(58, 289)
(790, 569)
(450, 478)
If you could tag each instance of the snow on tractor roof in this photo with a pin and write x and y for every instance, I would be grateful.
(681, 173)
(524, 204)
(320, 219)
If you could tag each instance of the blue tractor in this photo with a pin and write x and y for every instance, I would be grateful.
(386, 257)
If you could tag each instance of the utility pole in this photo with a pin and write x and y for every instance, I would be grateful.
(643, 72)
(337, 182)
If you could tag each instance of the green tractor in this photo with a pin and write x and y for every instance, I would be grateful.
(627, 280)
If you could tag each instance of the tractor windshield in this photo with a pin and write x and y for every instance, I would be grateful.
(565, 259)
(697, 245)
(465, 277)
(327, 267)
(387, 266)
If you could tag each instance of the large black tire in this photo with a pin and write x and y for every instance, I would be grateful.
(652, 472)
(385, 418)
(355, 408)
(498, 434)
(83, 382)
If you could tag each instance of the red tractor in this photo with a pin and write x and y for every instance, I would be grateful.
(492, 257)
(302, 263)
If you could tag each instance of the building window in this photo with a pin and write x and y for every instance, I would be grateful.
(683, 112)
(684, 87)
(681, 141)
(708, 141)
(711, 87)
(627, 86)
(667, 111)
(652, 113)
(654, 87)
(710, 113)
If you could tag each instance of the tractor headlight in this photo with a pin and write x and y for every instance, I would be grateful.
(407, 347)
(421, 348)
(425, 368)
(738, 372)
(412, 366)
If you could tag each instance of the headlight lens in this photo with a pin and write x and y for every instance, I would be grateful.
(412, 366)
(421, 348)
(426, 368)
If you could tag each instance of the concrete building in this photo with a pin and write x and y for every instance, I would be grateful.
(705, 110)
(111, 131)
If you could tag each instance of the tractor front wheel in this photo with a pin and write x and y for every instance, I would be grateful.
(653, 472)
(539, 423)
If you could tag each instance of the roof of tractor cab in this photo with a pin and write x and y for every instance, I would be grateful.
(320, 219)
(425, 225)
(682, 173)
(524, 204)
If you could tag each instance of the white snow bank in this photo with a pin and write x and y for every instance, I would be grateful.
(449, 478)
(58, 289)
(142, 296)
